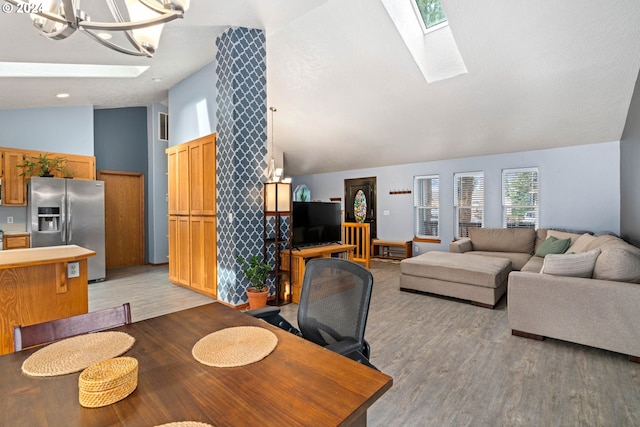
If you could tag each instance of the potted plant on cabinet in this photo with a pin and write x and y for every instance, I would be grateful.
(43, 165)
(256, 271)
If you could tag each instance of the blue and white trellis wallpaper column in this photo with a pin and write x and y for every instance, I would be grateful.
(241, 154)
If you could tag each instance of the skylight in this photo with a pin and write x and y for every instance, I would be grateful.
(434, 50)
(33, 69)
(431, 13)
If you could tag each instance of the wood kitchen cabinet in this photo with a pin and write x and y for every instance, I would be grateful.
(179, 258)
(16, 241)
(178, 171)
(202, 176)
(192, 210)
(13, 184)
(78, 167)
(14, 189)
(203, 253)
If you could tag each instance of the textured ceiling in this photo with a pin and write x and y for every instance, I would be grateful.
(349, 95)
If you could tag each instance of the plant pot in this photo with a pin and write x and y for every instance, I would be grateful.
(257, 299)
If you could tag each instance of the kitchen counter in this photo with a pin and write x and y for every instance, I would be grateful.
(39, 256)
(41, 284)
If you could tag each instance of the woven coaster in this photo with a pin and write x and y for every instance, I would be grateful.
(185, 424)
(76, 353)
(235, 346)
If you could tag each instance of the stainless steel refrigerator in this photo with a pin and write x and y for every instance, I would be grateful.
(68, 212)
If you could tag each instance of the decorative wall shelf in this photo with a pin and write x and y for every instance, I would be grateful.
(394, 192)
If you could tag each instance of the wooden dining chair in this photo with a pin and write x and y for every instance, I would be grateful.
(42, 333)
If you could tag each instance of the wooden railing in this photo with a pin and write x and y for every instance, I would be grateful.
(358, 234)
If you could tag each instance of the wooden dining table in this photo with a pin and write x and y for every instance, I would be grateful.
(298, 384)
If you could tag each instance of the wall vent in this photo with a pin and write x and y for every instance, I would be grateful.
(163, 123)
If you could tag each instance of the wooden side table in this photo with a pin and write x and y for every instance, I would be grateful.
(391, 249)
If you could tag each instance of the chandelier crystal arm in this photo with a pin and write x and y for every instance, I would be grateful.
(124, 26)
(141, 51)
(147, 17)
(115, 12)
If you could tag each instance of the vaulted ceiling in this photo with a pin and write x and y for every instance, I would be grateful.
(349, 94)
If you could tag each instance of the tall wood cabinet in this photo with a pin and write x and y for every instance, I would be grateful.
(192, 214)
(14, 189)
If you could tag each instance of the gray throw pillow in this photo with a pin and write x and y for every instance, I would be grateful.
(573, 265)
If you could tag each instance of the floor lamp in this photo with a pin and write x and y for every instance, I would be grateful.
(277, 202)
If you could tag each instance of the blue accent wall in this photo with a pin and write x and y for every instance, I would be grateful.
(121, 144)
(241, 152)
(120, 139)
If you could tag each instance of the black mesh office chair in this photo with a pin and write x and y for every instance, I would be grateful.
(333, 307)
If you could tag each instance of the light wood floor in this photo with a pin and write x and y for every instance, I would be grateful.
(453, 364)
(146, 288)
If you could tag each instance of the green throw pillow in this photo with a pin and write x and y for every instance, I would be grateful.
(553, 246)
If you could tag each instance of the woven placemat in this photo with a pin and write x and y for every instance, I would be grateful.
(237, 346)
(76, 353)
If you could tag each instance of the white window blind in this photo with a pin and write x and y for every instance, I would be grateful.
(426, 203)
(520, 198)
(468, 199)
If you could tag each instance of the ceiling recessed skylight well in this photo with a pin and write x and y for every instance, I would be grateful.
(24, 69)
(430, 13)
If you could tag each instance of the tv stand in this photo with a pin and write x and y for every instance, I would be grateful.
(300, 257)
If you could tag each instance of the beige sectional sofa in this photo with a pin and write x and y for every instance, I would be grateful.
(588, 295)
(601, 310)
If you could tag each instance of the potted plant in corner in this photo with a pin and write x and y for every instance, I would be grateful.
(256, 271)
(43, 165)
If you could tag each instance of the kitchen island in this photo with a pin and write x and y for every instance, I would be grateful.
(41, 284)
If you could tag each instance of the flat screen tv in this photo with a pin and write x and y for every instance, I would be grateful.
(316, 223)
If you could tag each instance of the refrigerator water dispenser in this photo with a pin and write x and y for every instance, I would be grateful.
(48, 219)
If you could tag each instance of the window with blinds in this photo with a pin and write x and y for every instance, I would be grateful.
(426, 202)
(520, 198)
(468, 199)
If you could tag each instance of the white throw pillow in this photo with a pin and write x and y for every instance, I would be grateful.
(573, 265)
(581, 244)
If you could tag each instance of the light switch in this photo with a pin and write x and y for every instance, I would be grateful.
(385, 212)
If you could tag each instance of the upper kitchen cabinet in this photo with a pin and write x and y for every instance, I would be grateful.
(78, 167)
(202, 175)
(192, 177)
(178, 171)
(14, 177)
(13, 182)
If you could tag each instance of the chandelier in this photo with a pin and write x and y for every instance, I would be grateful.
(58, 19)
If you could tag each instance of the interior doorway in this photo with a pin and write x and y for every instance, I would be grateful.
(124, 218)
(360, 202)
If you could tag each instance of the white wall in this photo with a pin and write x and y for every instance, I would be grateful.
(579, 189)
(630, 173)
(192, 106)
